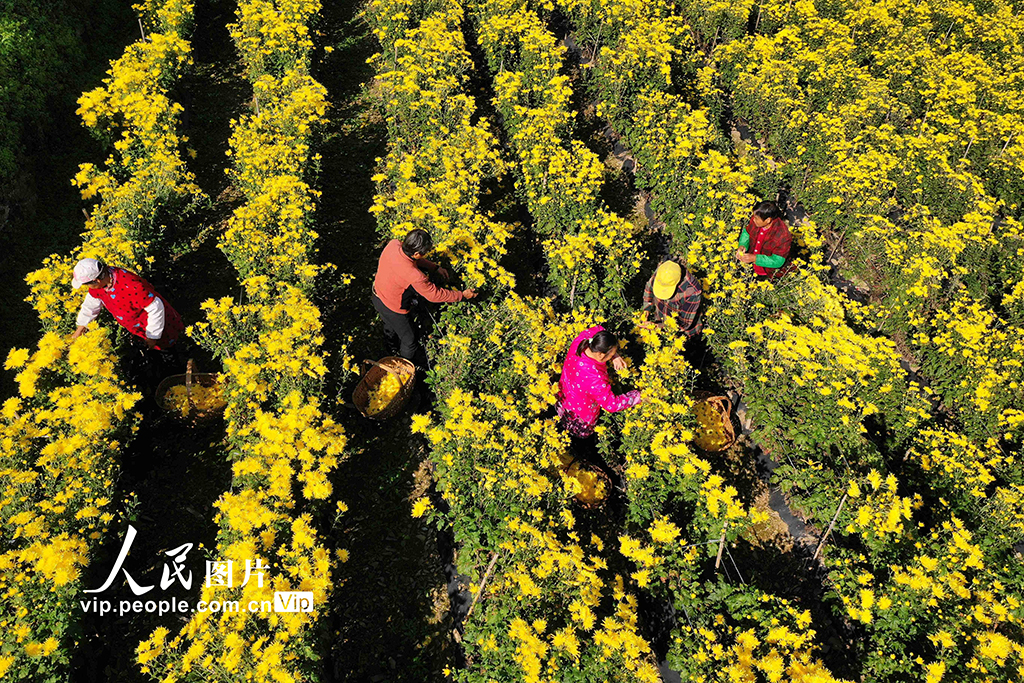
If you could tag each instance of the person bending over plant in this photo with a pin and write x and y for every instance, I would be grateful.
(766, 242)
(673, 289)
(130, 299)
(584, 389)
(402, 276)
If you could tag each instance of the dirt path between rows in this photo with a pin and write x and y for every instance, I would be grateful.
(389, 619)
(172, 473)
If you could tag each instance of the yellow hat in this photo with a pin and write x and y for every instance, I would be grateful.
(666, 278)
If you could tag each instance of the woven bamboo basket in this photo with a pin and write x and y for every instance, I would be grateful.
(581, 498)
(395, 365)
(189, 380)
(722, 435)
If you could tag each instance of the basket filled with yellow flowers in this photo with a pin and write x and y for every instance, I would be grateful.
(194, 395)
(714, 424)
(385, 388)
(594, 484)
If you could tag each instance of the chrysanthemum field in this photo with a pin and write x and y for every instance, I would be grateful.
(251, 158)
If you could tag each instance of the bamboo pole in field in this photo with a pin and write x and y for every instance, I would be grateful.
(1006, 144)
(721, 546)
(828, 531)
(480, 591)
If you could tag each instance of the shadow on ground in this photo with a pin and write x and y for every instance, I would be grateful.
(173, 472)
(40, 211)
(389, 619)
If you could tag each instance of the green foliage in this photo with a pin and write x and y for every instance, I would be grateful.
(40, 45)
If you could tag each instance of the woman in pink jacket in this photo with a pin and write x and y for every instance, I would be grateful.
(584, 388)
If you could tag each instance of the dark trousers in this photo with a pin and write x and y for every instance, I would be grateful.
(398, 331)
(697, 353)
(148, 367)
(585, 451)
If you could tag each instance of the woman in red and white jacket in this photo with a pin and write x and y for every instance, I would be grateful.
(130, 299)
(584, 388)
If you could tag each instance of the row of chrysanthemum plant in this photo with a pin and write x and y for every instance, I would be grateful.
(554, 604)
(916, 173)
(71, 417)
(667, 483)
(906, 563)
(438, 157)
(590, 252)
(282, 444)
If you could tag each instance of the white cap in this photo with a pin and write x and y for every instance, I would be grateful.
(86, 270)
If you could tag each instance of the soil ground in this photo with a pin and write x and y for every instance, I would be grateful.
(172, 472)
(390, 606)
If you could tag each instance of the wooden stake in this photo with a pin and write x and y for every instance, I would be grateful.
(948, 31)
(968, 150)
(487, 575)
(839, 243)
(1007, 144)
(142, 30)
(828, 531)
(721, 546)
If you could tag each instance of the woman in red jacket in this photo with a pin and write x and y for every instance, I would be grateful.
(766, 242)
(130, 299)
